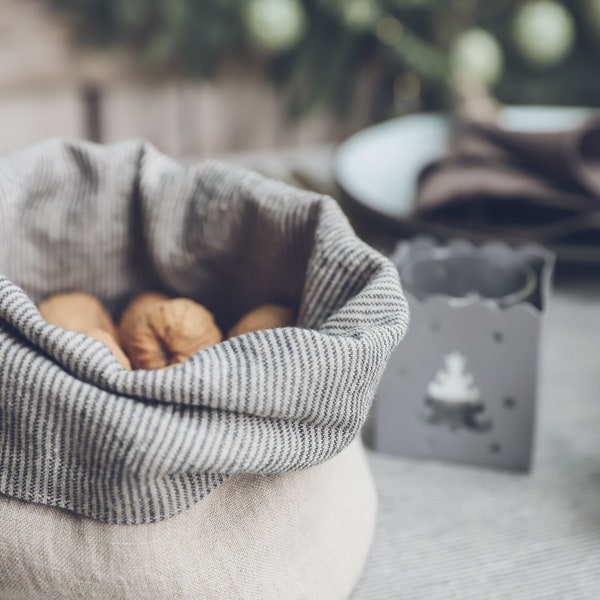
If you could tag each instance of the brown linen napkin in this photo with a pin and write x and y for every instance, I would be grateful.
(539, 186)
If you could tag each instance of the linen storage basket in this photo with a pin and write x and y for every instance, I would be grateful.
(192, 454)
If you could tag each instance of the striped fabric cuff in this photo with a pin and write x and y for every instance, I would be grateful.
(78, 431)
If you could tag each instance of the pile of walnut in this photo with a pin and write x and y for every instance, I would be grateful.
(155, 331)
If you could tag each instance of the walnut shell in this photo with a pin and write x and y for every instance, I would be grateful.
(137, 308)
(267, 316)
(108, 340)
(157, 332)
(77, 312)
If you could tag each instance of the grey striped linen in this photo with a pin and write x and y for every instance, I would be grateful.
(79, 432)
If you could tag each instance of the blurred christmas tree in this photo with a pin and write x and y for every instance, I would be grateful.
(412, 51)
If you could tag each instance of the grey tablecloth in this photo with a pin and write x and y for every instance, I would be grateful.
(462, 532)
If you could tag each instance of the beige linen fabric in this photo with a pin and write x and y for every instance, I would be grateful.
(300, 535)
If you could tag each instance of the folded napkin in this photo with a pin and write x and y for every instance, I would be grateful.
(539, 186)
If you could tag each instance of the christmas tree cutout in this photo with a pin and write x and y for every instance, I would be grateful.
(453, 398)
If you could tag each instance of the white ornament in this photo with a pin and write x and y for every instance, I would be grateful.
(454, 384)
(544, 32)
(476, 57)
(360, 15)
(275, 25)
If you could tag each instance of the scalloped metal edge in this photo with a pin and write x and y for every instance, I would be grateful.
(540, 259)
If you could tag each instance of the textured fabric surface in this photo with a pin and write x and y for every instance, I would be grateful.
(523, 186)
(446, 532)
(77, 431)
(302, 535)
(465, 533)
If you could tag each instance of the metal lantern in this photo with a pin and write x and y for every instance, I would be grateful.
(462, 387)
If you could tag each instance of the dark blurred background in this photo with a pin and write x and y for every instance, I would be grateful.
(215, 76)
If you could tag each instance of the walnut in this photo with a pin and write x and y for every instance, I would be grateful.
(77, 312)
(84, 314)
(158, 332)
(267, 316)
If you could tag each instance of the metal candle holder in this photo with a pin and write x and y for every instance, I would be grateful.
(462, 385)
